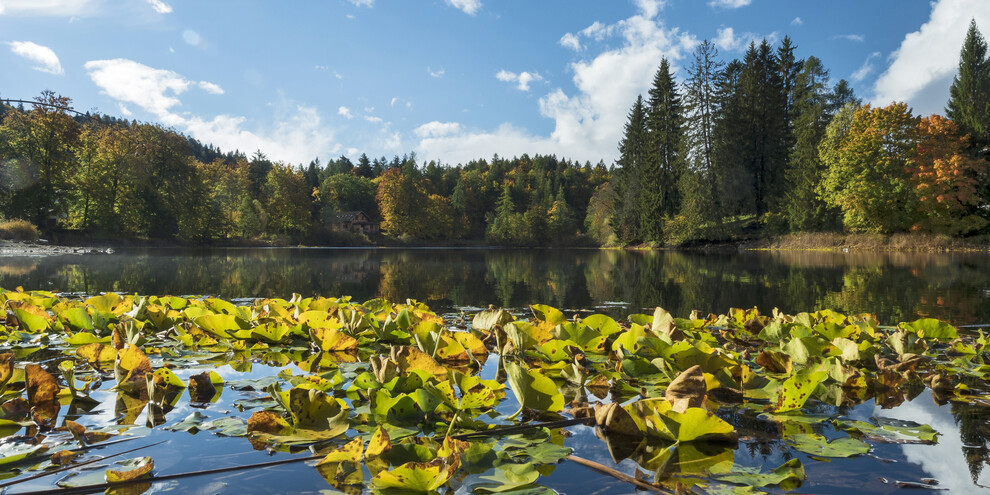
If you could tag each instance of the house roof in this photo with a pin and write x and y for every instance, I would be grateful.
(349, 216)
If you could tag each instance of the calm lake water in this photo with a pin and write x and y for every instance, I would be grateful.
(894, 287)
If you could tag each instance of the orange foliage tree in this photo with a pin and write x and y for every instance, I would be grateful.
(945, 179)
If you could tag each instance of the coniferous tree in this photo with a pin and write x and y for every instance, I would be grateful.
(732, 182)
(659, 197)
(500, 226)
(969, 100)
(632, 155)
(804, 210)
(701, 104)
(842, 93)
(765, 106)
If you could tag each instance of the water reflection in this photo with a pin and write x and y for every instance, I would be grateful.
(958, 460)
(895, 287)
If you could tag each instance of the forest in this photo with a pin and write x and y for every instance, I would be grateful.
(765, 144)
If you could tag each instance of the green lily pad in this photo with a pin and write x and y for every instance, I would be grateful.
(787, 476)
(532, 389)
(814, 444)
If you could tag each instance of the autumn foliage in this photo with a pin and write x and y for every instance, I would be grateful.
(945, 178)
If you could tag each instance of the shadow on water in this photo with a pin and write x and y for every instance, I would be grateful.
(894, 287)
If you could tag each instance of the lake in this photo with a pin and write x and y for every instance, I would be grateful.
(895, 287)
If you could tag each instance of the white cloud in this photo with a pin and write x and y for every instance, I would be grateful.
(373, 119)
(154, 90)
(588, 123)
(437, 74)
(797, 22)
(437, 129)
(728, 40)
(729, 4)
(345, 112)
(393, 141)
(160, 6)
(392, 103)
(42, 55)
(352, 151)
(865, 69)
(521, 79)
(296, 135)
(922, 68)
(469, 7)
(210, 88)
(650, 8)
(362, 3)
(571, 41)
(54, 8)
(323, 68)
(859, 38)
(598, 31)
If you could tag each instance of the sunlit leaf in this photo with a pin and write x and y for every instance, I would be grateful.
(532, 389)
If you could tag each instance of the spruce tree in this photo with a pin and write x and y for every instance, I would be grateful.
(701, 104)
(659, 178)
(969, 100)
(632, 153)
(765, 108)
(804, 210)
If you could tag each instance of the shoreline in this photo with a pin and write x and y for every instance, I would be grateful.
(823, 242)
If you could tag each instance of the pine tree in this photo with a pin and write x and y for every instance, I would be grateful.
(659, 178)
(632, 156)
(969, 100)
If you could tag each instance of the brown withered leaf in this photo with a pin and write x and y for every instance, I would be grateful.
(6, 367)
(613, 418)
(41, 385)
(201, 388)
(63, 457)
(268, 422)
(688, 390)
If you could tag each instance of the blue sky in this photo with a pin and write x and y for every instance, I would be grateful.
(452, 80)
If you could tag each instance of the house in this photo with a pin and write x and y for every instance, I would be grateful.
(355, 221)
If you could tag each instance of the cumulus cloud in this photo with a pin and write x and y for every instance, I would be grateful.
(729, 4)
(859, 38)
(362, 3)
(160, 6)
(54, 8)
(797, 22)
(296, 135)
(521, 79)
(728, 40)
(865, 69)
(437, 74)
(345, 112)
(469, 7)
(922, 68)
(571, 41)
(437, 129)
(42, 55)
(373, 119)
(587, 123)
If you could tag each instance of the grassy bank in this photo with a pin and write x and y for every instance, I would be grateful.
(909, 242)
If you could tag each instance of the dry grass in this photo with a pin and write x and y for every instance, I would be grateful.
(908, 242)
(18, 230)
